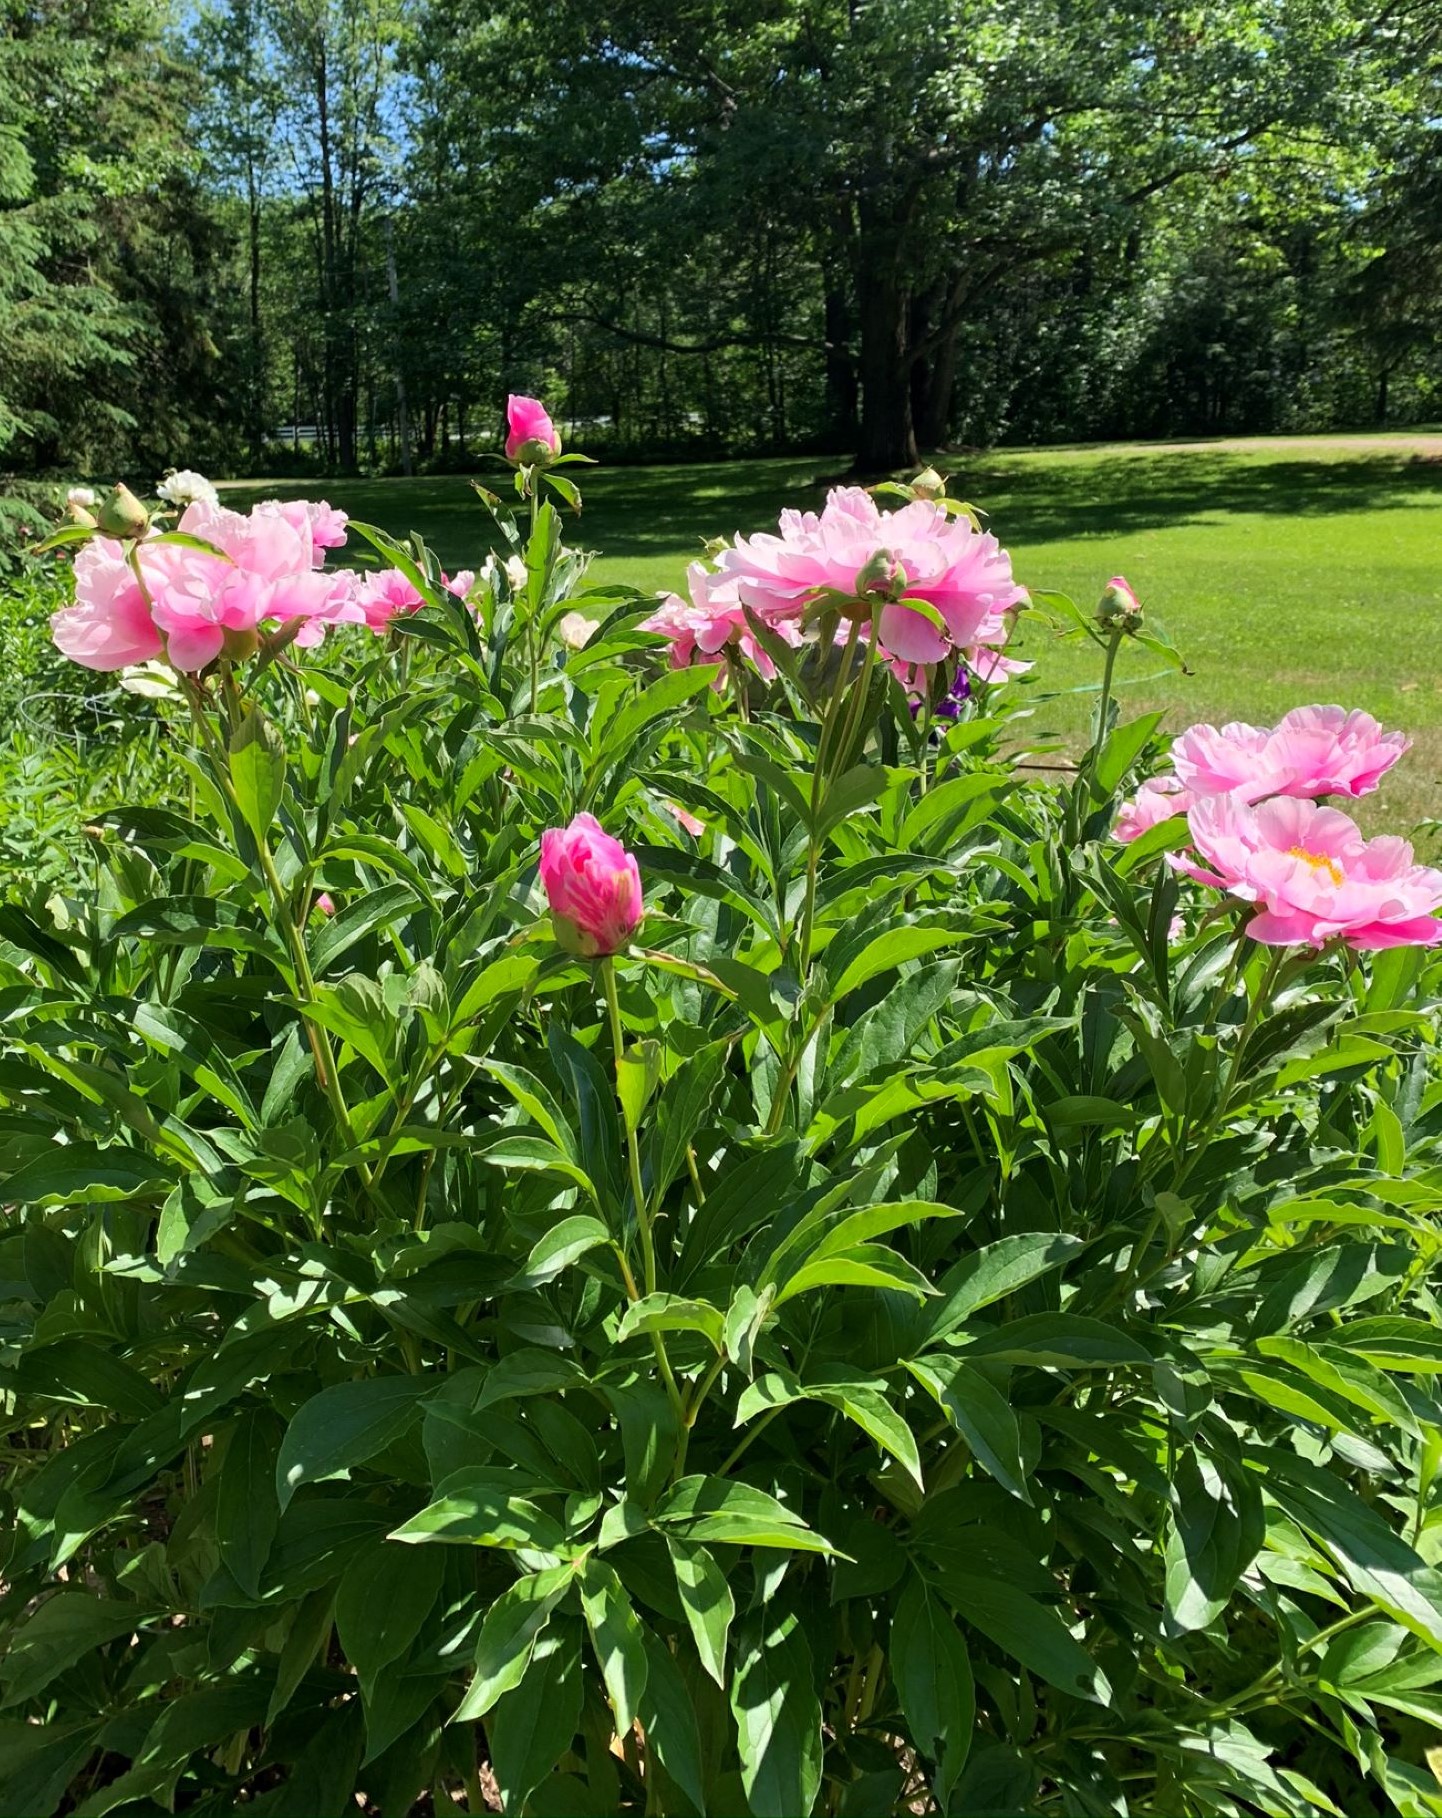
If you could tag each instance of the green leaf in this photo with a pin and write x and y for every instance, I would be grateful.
(617, 1639)
(529, 1371)
(735, 1514)
(81, 1174)
(508, 1636)
(1120, 752)
(257, 771)
(1058, 1341)
(1376, 1562)
(637, 1071)
(531, 1727)
(991, 1273)
(865, 1266)
(707, 1600)
(343, 1426)
(169, 1030)
(1027, 1630)
(1216, 1530)
(64, 1629)
(483, 1508)
(385, 1596)
(246, 1511)
(886, 953)
(932, 1671)
(980, 1413)
(668, 1717)
(562, 1245)
(672, 1313)
(864, 1403)
(778, 1716)
(374, 910)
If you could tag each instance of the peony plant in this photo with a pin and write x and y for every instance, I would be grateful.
(617, 1205)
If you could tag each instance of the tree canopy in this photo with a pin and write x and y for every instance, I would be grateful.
(338, 231)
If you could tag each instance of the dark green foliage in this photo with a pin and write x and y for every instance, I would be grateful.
(1011, 1391)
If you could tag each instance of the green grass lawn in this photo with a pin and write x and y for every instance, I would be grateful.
(1287, 570)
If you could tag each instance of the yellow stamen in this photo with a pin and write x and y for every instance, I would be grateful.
(1318, 861)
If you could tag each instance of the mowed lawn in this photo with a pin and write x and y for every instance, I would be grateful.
(1286, 570)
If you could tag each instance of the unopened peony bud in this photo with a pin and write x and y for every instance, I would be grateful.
(516, 572)
(1119, 609)
(928, 484)
(324, 904)
(593, 886)
(122, 515)
(80, 506)
(534, 440)
(882, 576)
(240, 644)
(576, 630)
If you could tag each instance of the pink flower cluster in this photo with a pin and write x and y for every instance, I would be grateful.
(1310, 752)
(930, 585)
(701, 628)
(1250, 797)
(191, 606)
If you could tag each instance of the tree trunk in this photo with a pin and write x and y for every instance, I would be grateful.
(888, 435)
(1383, 382)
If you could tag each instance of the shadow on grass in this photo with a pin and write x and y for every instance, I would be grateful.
(1044, 503)
(658, 511)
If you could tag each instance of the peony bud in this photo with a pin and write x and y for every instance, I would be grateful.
(1119, 609)
(534, 440)
(516, 572)
(882, 577)
(928, 484)
(593, 886)
(239, 643)
(81, 497)
(324, 904)
(122, 515)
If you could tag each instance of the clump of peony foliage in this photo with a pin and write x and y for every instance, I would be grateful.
(617, 1208)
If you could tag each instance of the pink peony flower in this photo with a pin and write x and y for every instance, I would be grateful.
(533, 436)
(319, 520)
(1311, 751)
(888, 558)
(110, 626)
(1312, 874)
(593, 886)
(685, 820)
(324, 904)
(195, 605)
(387, 591)
(1156, 801)
(714, 617)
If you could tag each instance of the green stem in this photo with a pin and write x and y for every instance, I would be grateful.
(754, 1431)
(638, 1192)
(818, 796)
(318, 1036)
(1113, 645)
(532, 643)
